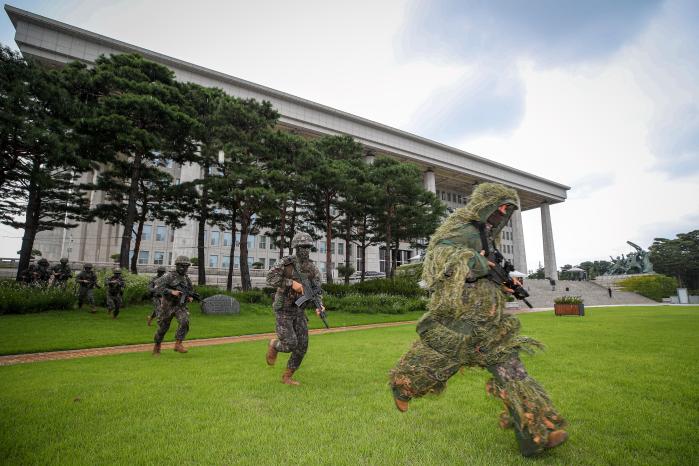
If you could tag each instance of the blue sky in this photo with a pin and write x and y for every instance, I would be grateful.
(598, 95)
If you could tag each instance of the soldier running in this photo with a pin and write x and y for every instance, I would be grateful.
(171, 287)
(87, 280)
(291, 321)
(154, 297)
(61, 273)
(115, 293)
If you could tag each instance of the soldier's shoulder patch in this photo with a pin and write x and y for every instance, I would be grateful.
(287, 260)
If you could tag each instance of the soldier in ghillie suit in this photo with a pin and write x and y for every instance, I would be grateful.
(154, 297)
(61, 273)
(291, 321)
(175, 288)
(115, 292)
(87, 281)
(43, 272)
(466, 324)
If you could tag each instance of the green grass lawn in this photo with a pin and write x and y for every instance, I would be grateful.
(61, 330)
(625, 378)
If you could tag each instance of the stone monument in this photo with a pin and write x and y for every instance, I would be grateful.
(220, 304)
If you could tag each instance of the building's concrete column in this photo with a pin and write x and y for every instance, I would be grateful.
(429, 181)
(549, 252)
(520, 254)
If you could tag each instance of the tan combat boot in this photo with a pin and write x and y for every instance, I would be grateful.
(156, 349)
(401, 405)
(179, 347)
(271, 352)
(556, 438)
(286, 378)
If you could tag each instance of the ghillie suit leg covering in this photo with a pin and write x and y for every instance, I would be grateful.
(531, 412)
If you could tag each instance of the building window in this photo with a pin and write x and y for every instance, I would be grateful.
(250, 261)
(215, 238)
(382, 260)
(177, 181)
(143, 257)
(321, 267)
(251, 241)
(158, 257)
(227, 238)
(444, 197)
(272, 244)
(160, 233)
(332, 248)
(272, 262)
(458, 199)
(225, 262)
(213, 260)
(146, 235)
(236, 262)
(322, 247)
(261, 260)
(263, 242)
(340, 248)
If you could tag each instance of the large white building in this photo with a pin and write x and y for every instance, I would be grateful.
(449, 172)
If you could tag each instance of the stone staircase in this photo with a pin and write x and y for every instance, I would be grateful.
(592, 293)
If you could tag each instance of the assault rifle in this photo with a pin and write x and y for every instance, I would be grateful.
(311, 294)
(90, 283)
(186, 293)
(115, 285)
(500, 274)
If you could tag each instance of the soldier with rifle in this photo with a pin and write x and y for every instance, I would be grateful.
(87, 281)
(61, 273)
(466, 324)
(43, 272)
(154, 297)
(29, 275)
(176, 290)
(115, 292)
(297, 281)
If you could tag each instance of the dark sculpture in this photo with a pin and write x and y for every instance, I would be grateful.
(632, 263)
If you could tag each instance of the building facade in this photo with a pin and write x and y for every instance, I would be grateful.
(447, 171)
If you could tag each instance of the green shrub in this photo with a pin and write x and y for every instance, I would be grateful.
(568, 300)
(655, 287)
(401, 286)
(135, 292)
(413, 271)
(206, 291)
(16, 298)
(374, 304)
(252, 297)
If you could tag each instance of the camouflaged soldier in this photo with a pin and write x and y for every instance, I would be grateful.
(115, 292)
(291, 321)
(61, 273)
(171, 286)
(154, 297)
(43, 272)
(87, 280)
(29, 275)
(466, 324)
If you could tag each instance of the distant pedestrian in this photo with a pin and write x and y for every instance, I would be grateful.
(609, 290)
(115, 293)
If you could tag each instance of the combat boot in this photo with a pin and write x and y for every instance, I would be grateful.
(272, 352)
(402, 405)
(156, 349)
(179, 347)
(556, 438)
(286, 377)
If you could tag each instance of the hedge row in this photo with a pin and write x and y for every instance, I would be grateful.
(655, 287)
(374, 304)
(401, 286)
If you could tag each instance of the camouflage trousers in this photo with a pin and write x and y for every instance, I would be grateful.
(156, 306)
(167, 313)
(59, 284)
(85, 293)
(292, 336)
(114, 303)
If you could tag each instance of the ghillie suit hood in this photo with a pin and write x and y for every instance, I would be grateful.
(453, 247)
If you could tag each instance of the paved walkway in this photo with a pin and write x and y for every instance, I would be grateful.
(147, 347)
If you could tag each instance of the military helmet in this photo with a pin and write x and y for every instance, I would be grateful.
(162, 268)
(182, 260)
(87, 266)
(64, 260)
(301, 239)
(117, 270)
(43, 261)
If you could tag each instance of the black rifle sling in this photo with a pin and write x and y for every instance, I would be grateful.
(485, 245)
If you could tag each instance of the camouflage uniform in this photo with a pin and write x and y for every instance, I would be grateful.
(291, 321)
(61, 273)
(115, 291)
(155, 297)
(170, 304)
(87, 280)
(43, 272)
(29, 275)
(466, 324)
